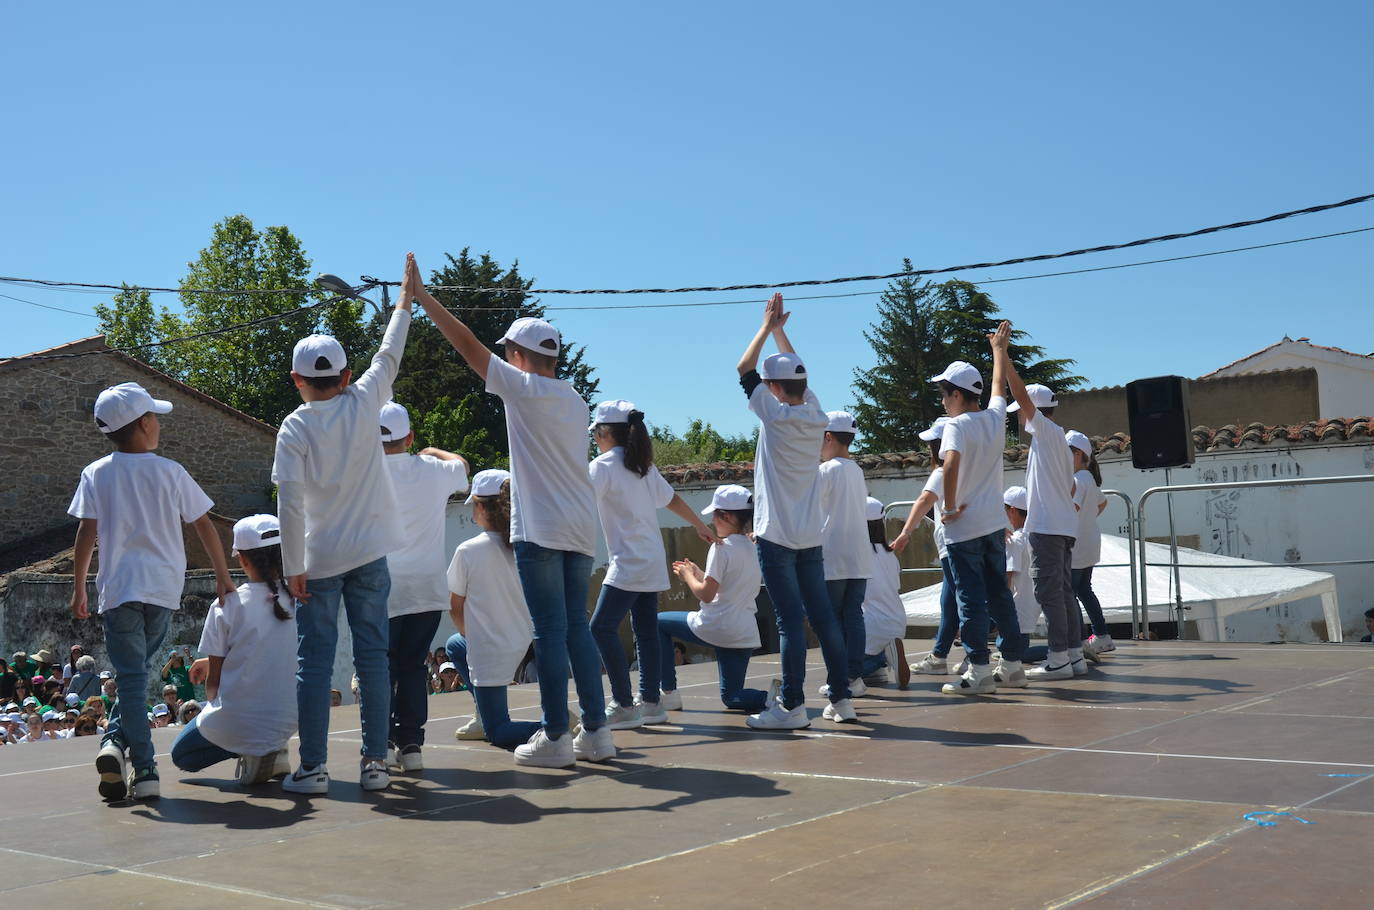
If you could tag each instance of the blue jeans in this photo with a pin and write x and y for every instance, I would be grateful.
(949, 613)
(193, 752)
(611, 608)
(364, 592)
(1083, 591)
(731, 663)
(796, 585)
(408, 643)
(847, 600)
(492, 707)
(873, 663)
(555, 583)
(979, 567)
(134, 633)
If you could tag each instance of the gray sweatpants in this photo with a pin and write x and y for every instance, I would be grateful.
(1052, 576)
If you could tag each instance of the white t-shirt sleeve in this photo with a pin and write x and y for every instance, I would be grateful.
(661, 491)
(597, 473)
(83, 501)
(191, 499)
(458, 574)
(214, 638)
(505, 381)
(1080, 493)
(288, 462)
(763, 404)
(1013, 551)
(935, 483)
(998, 405)
(717, 563)
(451, 475)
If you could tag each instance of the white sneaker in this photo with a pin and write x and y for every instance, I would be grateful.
(1090, 653)
(542, 752)
(776, 717)
(670, 701)
(652, 712)
(594, 745)
(472, 730)
(1102, 643)
(314, 780)
(774, 695)
(281, 765)
(144, 786)
(930, 665)
(621, 717)
(1010, 674)
(1079, 666)
(841, 712)
(1047, 670)
(411, 759)
(975, 681)
(255, 769)
(114, 777)
(856, 689)
(961, 667)
(374, 775)
(893, 661)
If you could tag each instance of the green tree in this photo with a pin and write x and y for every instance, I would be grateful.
(130, 322)
(701, 444)
(921, 328)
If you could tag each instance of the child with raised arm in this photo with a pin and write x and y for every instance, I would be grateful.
(423, 484)
(134, 503)
(1051, 522)
(553, 522)
(975, 524)
(338, 523)
(788, 520)
(844, 540)
(629, 493)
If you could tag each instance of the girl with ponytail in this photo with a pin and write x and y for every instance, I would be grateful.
(629, 493)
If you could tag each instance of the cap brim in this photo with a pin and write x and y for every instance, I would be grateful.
(709, 509)
(1013, 407)
(161, 407)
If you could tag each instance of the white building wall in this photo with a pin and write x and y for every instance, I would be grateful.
(1345, 382)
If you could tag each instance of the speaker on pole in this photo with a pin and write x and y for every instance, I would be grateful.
(1161, 431)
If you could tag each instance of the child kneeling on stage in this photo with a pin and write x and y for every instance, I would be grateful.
(726, 590)
(250, 641)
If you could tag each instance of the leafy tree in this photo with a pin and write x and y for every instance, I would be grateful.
(921, 328)
(701, 444)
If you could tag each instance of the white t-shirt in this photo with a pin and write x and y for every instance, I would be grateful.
(628, 505)
(728, 620)
(844, 525)
(980, 439)
(1022, 589)
(935, 485)
(884, 615)
(255, 710)
(1087, 545)
(552, 503)
(787, 499)
(423, 485)
(498, 623)
(1049, 480)
(139, 502)
(334, 449)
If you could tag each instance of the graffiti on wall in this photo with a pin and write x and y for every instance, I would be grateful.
(1224, 532)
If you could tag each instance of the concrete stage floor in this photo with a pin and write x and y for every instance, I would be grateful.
(1127, 788)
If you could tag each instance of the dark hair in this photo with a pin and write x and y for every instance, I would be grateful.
(634, 438)
(541, 359)
(1048, 412)
(497, 510)
(843, 438)
(792, 388)
(877, 534)
(1094, 469)
(122, 436)
(395, 447)
(266, 563)
(743, 518)
(935, 455)
(324, 383)
(950, 388)
(1369, 614)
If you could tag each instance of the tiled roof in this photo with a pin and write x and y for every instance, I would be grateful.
(1205, 439)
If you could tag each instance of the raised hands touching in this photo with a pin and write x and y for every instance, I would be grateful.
(1000, 339)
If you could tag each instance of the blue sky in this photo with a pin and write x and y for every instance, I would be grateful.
(629, 144)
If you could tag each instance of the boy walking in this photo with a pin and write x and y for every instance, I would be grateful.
(848, 555)
(339, 521)
(134, 502)
(788, 521)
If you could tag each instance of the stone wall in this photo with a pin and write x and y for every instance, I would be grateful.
(47, 407)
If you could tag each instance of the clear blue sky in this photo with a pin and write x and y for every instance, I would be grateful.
(634, 144)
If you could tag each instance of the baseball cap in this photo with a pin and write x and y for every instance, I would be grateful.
(20, 656)
(120, 405)
(783, 366)
(51, 715)
(962, 374)
(936, 430)
(1016, 497)
(617, 411)
(72, 712)
(446, 665)
(1040, 396)
(395, 422)
(160, 709)
(841, 422)
(256, 531)
(73, 698)
(729, 496)
(30, 700)
(105, 674)
(873, 509)
(1079, 441)
(318, 355)
(533, 334)
(488, 483)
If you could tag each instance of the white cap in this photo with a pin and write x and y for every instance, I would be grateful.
(936, 430)
(318, 355)
(106, 674)
(783, 366)
(1079, 441)
(533, 335)
(1040, 396)
(617, 411)
(73, 699)
(730, 496)
(841, 422)
(395, 422)
(487, 483)
(1016, 497)
(120, 405)
(446, 665)
(51, 715)
(964, 375)
(160, 709)
(873, 509)
(256, 531)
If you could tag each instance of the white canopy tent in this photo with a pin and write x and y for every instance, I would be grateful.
(1213, 587)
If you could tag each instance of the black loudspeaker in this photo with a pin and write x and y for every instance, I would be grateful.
(1161, 430)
